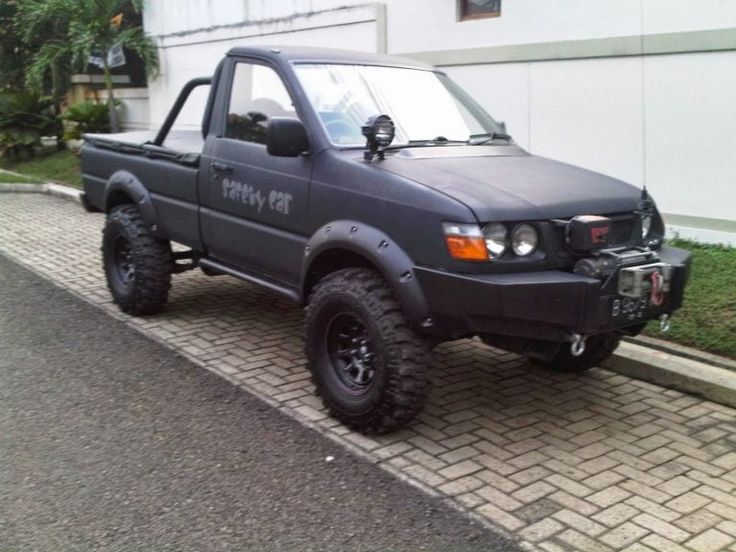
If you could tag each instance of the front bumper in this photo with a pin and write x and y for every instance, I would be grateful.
(548, 305)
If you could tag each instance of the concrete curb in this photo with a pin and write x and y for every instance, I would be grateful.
(680, 350)
(653, 360)
(56, 190)
(674, 371)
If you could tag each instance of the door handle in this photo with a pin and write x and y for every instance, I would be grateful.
(221, 167)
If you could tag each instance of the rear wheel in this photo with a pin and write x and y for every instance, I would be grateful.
(137, 265)
(369, 366)
(597, 349)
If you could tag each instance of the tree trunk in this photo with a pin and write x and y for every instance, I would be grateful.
(114, 123)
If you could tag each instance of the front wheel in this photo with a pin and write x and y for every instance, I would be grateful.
(137, 265)
(597, 349)
(369, 366)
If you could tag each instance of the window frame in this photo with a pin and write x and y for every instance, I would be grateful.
(228, 97)
(463, 16)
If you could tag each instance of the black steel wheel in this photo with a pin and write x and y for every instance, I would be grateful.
(137, 265)
(368, 365)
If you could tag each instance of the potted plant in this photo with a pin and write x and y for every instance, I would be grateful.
(82, 118)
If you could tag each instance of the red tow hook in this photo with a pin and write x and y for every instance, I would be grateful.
(657, 295)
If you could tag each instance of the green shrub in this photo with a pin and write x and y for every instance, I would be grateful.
(24, 118)
(86, 116)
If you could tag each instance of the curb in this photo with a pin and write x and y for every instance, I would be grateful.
(56, 190)
(675, 371)
(653, 360)
(683, 351)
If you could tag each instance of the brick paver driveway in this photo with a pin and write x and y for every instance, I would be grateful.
(592, 462)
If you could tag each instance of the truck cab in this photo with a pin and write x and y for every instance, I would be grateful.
(378, 195)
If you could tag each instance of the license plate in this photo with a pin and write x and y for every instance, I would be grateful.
(628, 309)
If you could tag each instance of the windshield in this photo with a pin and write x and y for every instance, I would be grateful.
(425, 106)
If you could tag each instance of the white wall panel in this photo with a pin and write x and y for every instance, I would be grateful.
(670, 16)
(589, 113)
(691, 133)
(421, 25)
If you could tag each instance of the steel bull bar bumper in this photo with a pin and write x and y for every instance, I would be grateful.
(549, 305)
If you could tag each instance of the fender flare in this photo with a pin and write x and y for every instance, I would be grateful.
(380, 250)
(126, 183)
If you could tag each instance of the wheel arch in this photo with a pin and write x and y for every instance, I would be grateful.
(124, 187)
(345, 243)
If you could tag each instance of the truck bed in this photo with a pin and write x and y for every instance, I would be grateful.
(178, 142)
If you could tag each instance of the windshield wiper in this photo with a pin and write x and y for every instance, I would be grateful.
(480, 139)
(438, 141)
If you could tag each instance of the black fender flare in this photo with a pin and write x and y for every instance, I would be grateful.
(124, 182)
(382, 252)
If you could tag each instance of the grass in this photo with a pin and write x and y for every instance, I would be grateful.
(707, 320)
(6, 178)
(62, 167)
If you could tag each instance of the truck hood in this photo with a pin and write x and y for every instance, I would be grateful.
(504, 183)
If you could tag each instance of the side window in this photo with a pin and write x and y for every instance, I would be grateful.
(257, 94)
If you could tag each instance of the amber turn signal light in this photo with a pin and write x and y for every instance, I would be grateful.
(465, 242)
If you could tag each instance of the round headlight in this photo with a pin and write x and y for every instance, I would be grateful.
(524, 240)
(646, 225)
(495, 235)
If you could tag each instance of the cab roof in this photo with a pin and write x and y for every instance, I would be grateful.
(303, 54)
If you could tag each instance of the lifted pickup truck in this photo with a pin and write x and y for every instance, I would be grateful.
(376, 193)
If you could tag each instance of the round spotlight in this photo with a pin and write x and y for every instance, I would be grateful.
(379, 132)
(524, 240)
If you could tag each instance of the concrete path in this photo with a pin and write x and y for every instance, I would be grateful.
(110, 441)
(593, 462)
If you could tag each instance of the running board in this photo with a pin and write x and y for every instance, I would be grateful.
(287, 292)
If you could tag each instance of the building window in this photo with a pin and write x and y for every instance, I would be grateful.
(478, 9)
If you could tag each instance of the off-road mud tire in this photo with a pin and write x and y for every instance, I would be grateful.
(400, 356)
(146, 288)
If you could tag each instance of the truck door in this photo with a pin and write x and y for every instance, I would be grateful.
(254, 205)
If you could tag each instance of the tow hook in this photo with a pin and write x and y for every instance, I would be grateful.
(577, 347)
(664, 323)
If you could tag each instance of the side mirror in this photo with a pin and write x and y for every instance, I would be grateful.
(286, 137)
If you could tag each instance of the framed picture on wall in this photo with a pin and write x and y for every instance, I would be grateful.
(478, 9)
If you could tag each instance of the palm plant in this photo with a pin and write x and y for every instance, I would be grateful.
(78, 28)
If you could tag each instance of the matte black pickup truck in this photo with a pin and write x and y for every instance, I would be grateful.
(376, 193)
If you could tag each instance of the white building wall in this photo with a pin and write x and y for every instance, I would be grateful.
(565, 76)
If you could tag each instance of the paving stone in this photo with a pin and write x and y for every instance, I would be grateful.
(541, 530)
(460, 469)
(548, 456)
(615, 515)
(623, 535)
(609, 496)
(687, 503)
(498, 516)
(580, 523)
(582, 542)
(711, 540)
(698, 521)
(461, 486)
(661, 527)
(537, 510)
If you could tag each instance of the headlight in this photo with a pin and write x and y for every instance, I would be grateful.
(646, 225)
(495, 235)
(524, 240)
